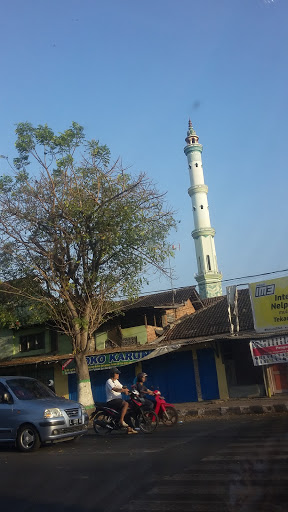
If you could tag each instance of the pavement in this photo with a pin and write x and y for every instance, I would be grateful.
(239, 406)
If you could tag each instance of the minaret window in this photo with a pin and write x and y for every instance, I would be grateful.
(201, 206)
(208, 262)
(193, 141)
(194, 208)
(190, 166)
(196, 165)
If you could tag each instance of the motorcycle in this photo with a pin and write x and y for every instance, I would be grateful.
(166, 412)
(106, 419)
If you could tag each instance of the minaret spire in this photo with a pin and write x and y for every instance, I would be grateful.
(208, 277)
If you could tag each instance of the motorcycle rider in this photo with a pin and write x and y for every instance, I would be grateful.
(114, 390)
(143, 390)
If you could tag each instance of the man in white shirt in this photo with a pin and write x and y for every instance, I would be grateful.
(114, 390)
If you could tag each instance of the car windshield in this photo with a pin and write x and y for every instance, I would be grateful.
(29, 389)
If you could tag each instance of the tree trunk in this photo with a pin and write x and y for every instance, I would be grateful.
(85, 396)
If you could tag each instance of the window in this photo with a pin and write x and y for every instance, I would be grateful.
(194, 208)
(29, 389)
(190, 166)
(193, 140)
(208, 262)
(32, 342)
(201, 206)
(196, 165)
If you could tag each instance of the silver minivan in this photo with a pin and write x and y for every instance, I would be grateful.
(31, 414)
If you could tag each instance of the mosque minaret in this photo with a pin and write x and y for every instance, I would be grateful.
(208, 277)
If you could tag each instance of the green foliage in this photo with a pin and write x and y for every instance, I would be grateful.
(16, 309)
(86, 229)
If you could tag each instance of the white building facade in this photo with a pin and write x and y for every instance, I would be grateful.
(208, 277)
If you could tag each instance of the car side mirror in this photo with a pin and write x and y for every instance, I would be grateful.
(7, 398)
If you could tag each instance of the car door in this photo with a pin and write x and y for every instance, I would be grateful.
(7, 416)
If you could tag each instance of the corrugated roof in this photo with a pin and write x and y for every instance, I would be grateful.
(213, 319)
(165, 299)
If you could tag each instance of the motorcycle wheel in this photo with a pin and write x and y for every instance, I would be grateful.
(169, 416)
(148, 422)
(100, 423)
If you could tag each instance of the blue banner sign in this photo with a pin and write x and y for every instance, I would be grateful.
(104, 361)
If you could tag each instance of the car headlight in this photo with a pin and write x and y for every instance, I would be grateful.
(52, 413)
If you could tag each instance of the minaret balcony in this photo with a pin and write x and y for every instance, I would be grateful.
(210, 275)
(193, 147)
(203, 232)
(197, 188)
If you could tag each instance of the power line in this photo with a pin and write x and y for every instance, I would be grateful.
(226, 280)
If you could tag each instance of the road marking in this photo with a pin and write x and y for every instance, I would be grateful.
(244, 457)
(180, 506)
(204, 476)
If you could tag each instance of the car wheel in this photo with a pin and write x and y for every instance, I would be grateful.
(28, 439)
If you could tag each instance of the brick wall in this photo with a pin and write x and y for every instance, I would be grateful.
(175, 314)
(151, 336)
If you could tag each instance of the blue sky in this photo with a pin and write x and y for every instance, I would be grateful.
(132, 73)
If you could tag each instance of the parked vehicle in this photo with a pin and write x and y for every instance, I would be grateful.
(105, 419)
(31, 414)
(166, 412)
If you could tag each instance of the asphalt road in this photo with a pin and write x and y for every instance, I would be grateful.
(233, 465)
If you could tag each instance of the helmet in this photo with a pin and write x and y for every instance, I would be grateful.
(113, 371)
(141, 375)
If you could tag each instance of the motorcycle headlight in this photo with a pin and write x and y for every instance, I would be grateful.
(52, 413)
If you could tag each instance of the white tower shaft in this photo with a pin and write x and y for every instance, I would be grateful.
(209, 278)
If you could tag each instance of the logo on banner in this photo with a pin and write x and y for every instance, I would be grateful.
(104, 361)
(269, 351)
(262, 290)
(269, 301)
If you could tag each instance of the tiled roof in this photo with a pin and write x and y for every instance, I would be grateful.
(213, 319)
(165, 299)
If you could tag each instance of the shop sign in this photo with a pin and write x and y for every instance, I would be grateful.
(269, 351)
(269, 301)
(104, 361)
(67, 362)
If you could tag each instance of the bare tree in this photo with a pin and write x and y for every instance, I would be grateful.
(85, 229)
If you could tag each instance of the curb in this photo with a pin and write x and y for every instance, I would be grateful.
(235, 411)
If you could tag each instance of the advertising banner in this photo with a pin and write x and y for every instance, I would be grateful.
(269, 351)
(104, 361)
(269, 301)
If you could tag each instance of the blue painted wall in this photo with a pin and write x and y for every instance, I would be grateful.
(174, 375)
(98, 380)
(208, 374)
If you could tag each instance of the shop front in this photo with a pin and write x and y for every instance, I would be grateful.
(272, 354)
(181, 375)
(244, 379)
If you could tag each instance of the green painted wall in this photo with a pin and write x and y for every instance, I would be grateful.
(64, 344)
(10, 340)
(130, 332)
(25, 332)
(100, 340)
(6, 343)
(139, 331)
